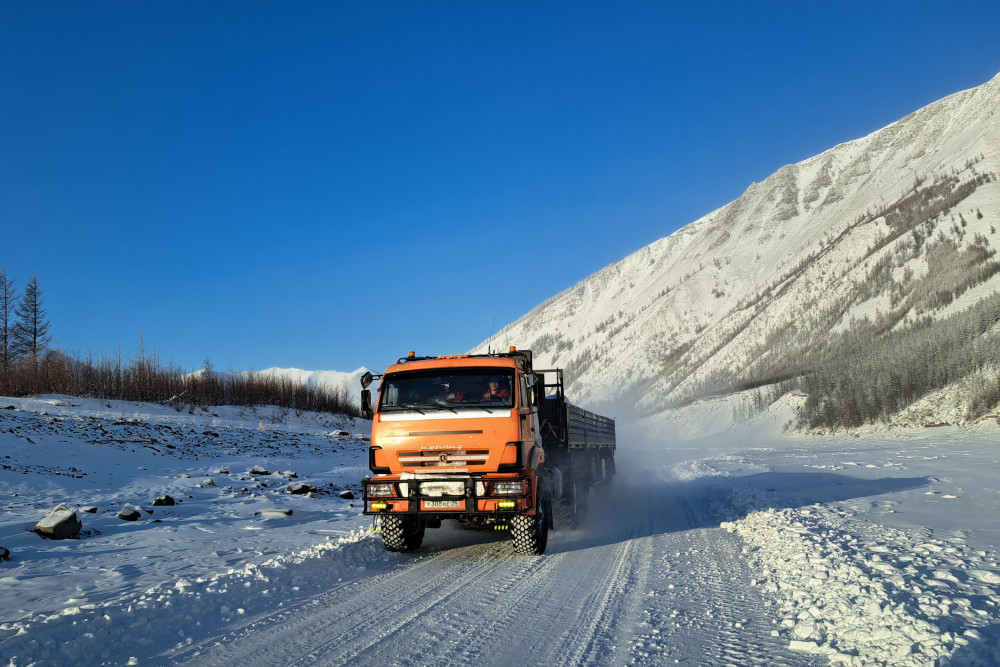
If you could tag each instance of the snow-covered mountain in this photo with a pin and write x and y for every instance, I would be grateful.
(871, 238)
(331, 379)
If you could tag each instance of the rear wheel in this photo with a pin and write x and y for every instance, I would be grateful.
(572, 507)
(402, 533)
(530, 534)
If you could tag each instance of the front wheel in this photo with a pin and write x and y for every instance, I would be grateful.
(530, 534)
(402, 533)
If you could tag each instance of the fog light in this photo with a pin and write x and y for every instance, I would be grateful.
(374, 507)
(507, 504)
(509, 488)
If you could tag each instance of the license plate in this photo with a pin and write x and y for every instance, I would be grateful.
(443, 504)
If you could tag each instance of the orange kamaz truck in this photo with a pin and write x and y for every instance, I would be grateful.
(482, 439)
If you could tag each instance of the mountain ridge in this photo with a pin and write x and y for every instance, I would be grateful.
(695, 312)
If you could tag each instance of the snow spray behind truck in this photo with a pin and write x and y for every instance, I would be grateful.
(485, 440)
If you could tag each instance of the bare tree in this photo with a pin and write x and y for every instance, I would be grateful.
(31, 330)
(6, 304)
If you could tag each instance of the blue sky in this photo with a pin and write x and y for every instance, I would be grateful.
(327, 185)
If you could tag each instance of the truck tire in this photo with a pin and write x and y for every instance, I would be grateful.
(572, 507)
(402, 533)
(530, 534)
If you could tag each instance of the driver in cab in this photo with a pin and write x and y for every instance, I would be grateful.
(496, 392)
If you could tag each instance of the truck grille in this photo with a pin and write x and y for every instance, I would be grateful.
(438, 458)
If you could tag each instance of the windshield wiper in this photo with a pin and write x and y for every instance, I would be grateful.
(427, 406)
(484, 408)
(400, 408)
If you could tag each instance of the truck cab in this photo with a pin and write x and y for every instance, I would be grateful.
(457, 437)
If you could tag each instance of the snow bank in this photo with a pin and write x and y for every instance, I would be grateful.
(235, 544)
(180, 612)
(858, 592)
(883, 598)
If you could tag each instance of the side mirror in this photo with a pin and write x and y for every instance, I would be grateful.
(366, 404)
(367, 379)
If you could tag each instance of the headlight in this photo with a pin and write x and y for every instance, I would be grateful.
(380, 490)
(510, 488)
(438, 489)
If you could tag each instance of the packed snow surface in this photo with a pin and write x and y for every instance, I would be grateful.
(745, 546)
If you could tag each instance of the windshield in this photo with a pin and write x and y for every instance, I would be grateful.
(444, 390)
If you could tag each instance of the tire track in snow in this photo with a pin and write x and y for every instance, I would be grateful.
(603, 609)
(699, 606)
(478, 604)
(377, 629)
(650, 579)
(486, 624)
(340, 625)
(477, 625)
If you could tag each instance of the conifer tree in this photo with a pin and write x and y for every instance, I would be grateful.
(31, 330)
(6, 306)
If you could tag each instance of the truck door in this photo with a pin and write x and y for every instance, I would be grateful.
(527, 410)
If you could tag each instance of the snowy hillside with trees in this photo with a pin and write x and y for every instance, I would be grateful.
(865, 277)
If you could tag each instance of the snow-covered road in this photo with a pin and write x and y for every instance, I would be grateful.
(746, 548)
(651, 577)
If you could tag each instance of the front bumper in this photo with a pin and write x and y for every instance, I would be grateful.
(444, 495)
